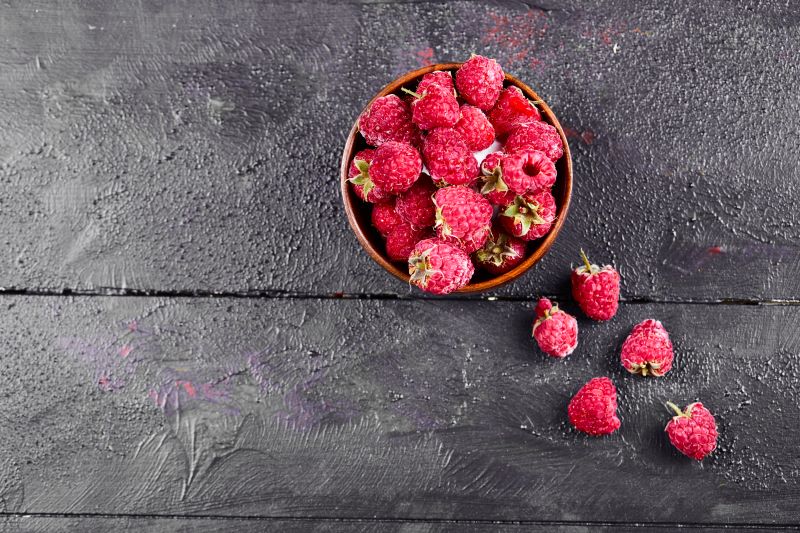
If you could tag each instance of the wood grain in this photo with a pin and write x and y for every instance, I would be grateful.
(186, 146)
(384, 409)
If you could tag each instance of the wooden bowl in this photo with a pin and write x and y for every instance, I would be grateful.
(358, 212)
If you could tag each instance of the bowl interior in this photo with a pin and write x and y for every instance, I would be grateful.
(358, 212)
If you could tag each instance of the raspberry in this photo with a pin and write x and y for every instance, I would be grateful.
(537, 136)
(437, 77)
(463, 217)
(362, 183)
(438, 267)
(555, 331)
(647, 350)
(512, 110)
(388, 118)
(401, 240)
(528, 171)
(415, 206)
(493, 186)
(436, 107)
(693, 431)
(529, 217)
(395, 166)
(385, 218)
(479, 81)
(596, 289)
(448, 158)
(501, 253)
(475, 128)
(593, 409)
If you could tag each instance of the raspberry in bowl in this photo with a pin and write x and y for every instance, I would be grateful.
(419, 159)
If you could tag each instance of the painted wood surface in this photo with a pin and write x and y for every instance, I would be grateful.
(191, 146)
(238, 363)
(384, 409)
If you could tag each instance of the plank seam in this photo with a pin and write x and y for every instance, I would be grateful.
(145, 293)
(392, 520)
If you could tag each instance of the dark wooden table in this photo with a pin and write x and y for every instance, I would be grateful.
(192, 339)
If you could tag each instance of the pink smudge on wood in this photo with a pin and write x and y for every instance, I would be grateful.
(425, 57)
(518, 37)
(586, 136)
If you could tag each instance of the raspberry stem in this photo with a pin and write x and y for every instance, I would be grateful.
(412, 93)
(586, 262)
(676, 409)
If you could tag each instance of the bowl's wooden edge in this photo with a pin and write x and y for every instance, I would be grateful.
(349, 198)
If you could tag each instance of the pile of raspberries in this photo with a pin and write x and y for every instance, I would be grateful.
(460, 175)
(647, 351)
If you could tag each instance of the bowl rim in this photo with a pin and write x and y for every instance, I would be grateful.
(542, 247)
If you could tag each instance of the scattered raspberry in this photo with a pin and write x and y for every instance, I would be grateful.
(437, 77)
(528, 171)
(448, 158)
(479, 81)
(693, 431)
(463, 217)
(359, 176)
(436, 107)
(512, 110)
(387, 119)
(596, 289)
(475, 128)
(555, 331)
(593, 409)
(492, 184)
(647, 350)
(501, 253)
(529, 217)
(385, 217)
(537, 136)
(395, 166)
(415, 206)
(438, 267)
(401, 240)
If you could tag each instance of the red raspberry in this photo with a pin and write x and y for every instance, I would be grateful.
(401, 240)
(693, 431)
(529, 217)
(500, 254)
(463, 217)
(475, 128)
(511, 110)
(387, 119)
(415, 206)
(359, 176)
(647, 350)
(438, 267)
(395, 166)
(593, 409)
(385, 217)
(528, 171)
(436, 107)
(448, 158)
(537, 136)
(437, 77)
(596, 289)
(492, 184)
(555, 331)
(479, 81)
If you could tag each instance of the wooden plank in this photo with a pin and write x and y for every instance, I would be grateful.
(39, 524)
(187, 147)
(384, 409)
